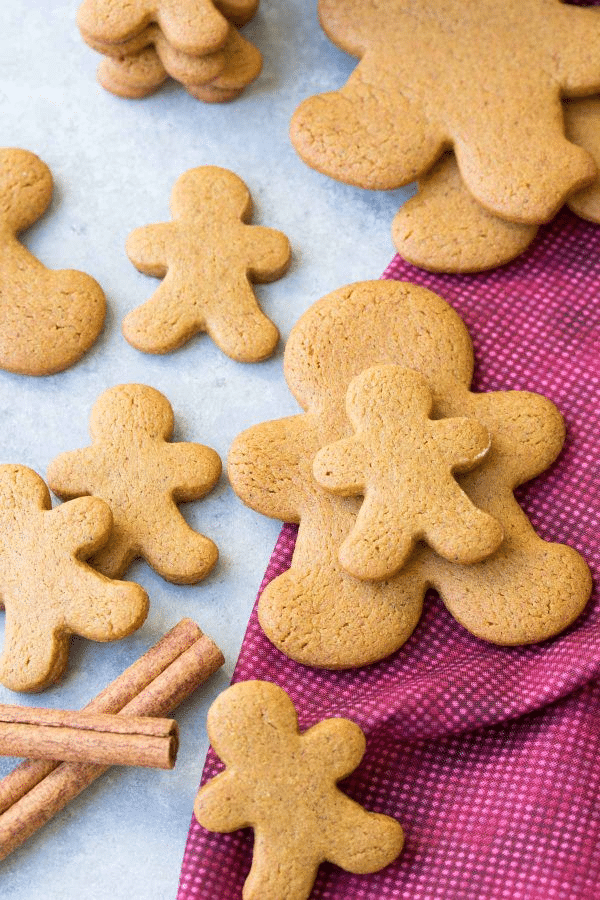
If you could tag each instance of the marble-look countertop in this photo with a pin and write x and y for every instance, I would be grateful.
(114, 162)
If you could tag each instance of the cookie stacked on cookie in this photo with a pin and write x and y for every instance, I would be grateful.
(466, 99)
(196, 42)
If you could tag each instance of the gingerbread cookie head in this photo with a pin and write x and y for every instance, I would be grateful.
(134, 467)
(522, 591)
(402, 462)
(25, 189)
(436, 75)
(283, 785)
(47, 588)
(208, 255)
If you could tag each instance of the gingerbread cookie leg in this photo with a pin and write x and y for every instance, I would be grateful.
(443, 228)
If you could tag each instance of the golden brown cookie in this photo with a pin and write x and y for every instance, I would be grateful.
(484, 79)
(444, 229)
(207, 256)
(196, 27)
(283, 785)
(132, 77)
(317, 613)
(134, 468)
(47, 589)
(402, 462)
(48, 318)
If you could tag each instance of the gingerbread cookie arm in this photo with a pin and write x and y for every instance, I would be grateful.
(334, 132)
(202, 30)
(339, 745)
(217, 808)
(194, 470)
(148, 247)
(262, 463)
(68, 474)
(268, 253)
(582, 123)
(576, 51)
(550, 166)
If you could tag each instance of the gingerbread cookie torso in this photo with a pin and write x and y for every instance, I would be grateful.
(135, 468)
(48, 318)
(48, 590)
(317, 612)
(485, 79)
(207, 256)
(283, 784)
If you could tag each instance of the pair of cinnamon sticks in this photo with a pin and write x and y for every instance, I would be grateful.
(153, 686)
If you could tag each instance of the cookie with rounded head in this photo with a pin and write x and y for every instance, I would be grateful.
(133, 466)
(316, 612)
(196, 27)
(48, 318)
(403, 462)
(283, 784)
(46, 586)
(485, 79)
(208, 256)
(443, 228)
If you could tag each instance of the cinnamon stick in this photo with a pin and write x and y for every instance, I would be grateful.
(155, 685)
(88, 737)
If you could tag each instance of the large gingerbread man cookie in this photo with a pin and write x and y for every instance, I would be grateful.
(48, 318)
(319, 614)
(135, 468)
(283, 785)
(485, 79)
(48, 590)
(208, 256)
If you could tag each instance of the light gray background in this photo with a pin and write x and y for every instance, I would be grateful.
(114, 163)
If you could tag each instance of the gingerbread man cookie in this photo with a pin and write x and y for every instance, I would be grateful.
(283, 785)
(444, 229)
(48, 319)
(319, 614)
(132, 465)
(47, 589)
(402, 461)
(207, 257)
(485, 79)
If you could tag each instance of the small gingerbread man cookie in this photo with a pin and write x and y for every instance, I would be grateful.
(484, 79)
(402, 462)
(48, 319)
(207, 257)
(317, 613)
(283, 785)
(47, 589)
(132, 465)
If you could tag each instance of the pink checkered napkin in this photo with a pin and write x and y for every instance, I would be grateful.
(488, 756)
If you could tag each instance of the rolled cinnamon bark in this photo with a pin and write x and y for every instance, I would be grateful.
(88, 737)
(155, 685)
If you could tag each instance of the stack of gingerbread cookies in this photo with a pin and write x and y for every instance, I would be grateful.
(196, 43)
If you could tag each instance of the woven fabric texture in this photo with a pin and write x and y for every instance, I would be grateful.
(487, 756)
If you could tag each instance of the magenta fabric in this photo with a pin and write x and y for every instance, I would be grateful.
(488, 756)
